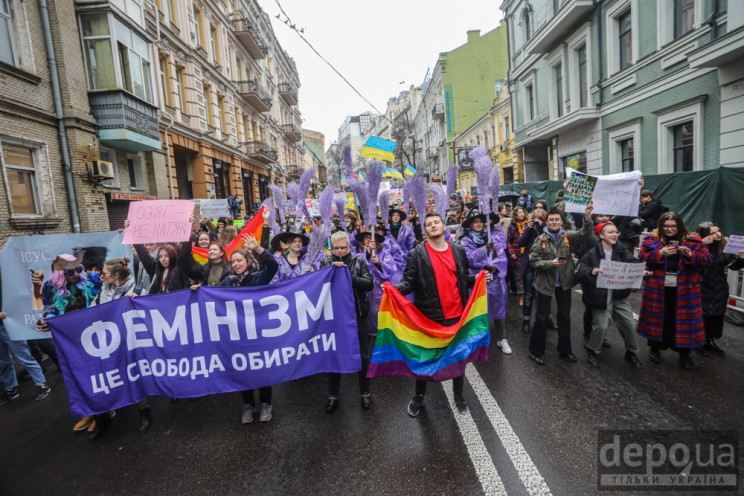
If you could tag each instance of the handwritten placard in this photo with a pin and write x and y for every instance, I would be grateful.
(614, 194)
(734, 244)
(619, 275)
(213, 208)
(158, 221)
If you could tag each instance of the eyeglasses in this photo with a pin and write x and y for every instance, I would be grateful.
(670, 227)
(555, 221)
(340, 247)
(72, 272)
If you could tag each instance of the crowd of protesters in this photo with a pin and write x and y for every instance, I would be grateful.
(531, 251)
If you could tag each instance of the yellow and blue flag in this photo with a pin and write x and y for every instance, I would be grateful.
(379, 148)
(392, 173)
(410, 171)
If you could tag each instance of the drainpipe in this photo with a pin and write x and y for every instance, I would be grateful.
(712, 21)
(598, 8)
(61, 131)
(167, 156)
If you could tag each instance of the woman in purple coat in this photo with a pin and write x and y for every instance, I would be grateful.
(401, 233)
(294, 262)
(491, 256)
(382, 267)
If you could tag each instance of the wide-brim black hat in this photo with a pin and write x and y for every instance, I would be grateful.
(472, 215)
(286, 236)
(361, 235)
(402, 214)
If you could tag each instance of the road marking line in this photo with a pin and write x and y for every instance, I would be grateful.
(482, 461)
(528, 473)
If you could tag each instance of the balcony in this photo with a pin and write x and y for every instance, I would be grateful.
(261, 151)
(572, 120)
(287, 92)
(432, 151)
(126, 121)
(294, 171)
(255, 95)
(437, 111)
(558, 26)
(248, 35)
(292, 133)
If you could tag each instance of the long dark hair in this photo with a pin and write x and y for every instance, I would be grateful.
(222, 250)
(682, 231)
(703, 230)
(173, 259)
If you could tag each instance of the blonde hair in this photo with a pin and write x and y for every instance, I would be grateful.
(340, 236)
(539, 213)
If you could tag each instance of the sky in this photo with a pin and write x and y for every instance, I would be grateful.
(382, 47)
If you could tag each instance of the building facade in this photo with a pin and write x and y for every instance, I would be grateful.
(458, 93)
(607, 87)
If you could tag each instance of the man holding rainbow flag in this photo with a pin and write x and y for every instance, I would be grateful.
(434, 338)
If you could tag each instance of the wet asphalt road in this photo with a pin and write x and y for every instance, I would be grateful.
(555, 410)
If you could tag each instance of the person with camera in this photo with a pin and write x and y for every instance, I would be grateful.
(672, 308)
(552, 258)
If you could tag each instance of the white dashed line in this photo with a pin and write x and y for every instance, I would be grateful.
(528, 473)
(482, 462)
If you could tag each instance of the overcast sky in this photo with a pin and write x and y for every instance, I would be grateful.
(380, 46)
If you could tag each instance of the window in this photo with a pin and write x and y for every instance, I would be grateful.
(20, 174)
(684, 17)
(530, 102)
(164, 93)
(556, 6)
(97, 46)
(7, 52)
(683, 147)
(558, 71)
(583, 76)
(576, 161)
(134, 166)
(213, 43)
(207, 104)
(526, 19)
(197, 28)
(222, 115)
(507, 132)
(109, 156)
(132, 8)
(625, 40)
(173, 4)
(626, 155)
(178, 81)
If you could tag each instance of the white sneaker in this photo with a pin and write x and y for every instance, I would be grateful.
(247, 417)
(504, 345)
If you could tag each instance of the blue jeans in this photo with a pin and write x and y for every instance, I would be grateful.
(18, 349)
(529, 293)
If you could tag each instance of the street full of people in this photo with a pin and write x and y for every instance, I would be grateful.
(431, 252)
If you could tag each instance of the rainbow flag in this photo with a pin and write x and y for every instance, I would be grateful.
(411, 345)
(254, 226)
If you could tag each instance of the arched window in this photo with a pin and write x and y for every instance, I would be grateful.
(526, 20)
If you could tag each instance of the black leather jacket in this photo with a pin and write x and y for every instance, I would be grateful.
(361, 279)
(418, 277)
(591, 295)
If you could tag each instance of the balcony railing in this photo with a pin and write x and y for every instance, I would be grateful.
(288, 93)
(437, 111)
(294, 170)
(126, 121)
(248, 35)
(292, 133)
(254, 94)
(261, 151)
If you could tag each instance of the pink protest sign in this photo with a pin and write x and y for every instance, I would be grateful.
(158, 221)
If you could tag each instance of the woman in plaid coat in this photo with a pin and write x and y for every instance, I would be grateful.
(671, 310)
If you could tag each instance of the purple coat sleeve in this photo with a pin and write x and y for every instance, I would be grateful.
(477, 257)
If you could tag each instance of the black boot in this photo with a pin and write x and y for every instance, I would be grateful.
(526, 326)
(713, 347)
(145, 422)
(103, 423)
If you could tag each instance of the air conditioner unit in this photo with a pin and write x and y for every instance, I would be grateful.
(103, 170)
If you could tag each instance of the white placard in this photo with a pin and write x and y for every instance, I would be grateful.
(734, 244)
(312, 207)
(615, 194)
(213, 208)
(619, 275)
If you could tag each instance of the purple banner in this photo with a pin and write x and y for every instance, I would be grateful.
(213, 340)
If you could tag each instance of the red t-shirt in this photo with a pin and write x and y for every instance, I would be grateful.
(445, 273)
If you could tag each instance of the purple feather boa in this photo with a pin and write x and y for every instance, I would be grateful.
(495, 181)
(272, 216)
(407, 196)
(451, 180)
(341, 210)
(482, 166)
(305, 179)
(325, 205)
(384, 203)
(441, 200)
(374, 177)
(418, 194)
(279, 202)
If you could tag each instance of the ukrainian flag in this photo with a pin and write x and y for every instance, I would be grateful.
(361, 177)
(410, 171)
(379, 148)
(393, 173)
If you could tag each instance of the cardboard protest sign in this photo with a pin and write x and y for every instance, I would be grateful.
(579, 191)
(734, 244)
(213, 208)
(159, 221)
(614, 194)
(27, 269)
(312, 207)
(619, 275)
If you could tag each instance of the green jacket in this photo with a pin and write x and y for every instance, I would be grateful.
(545, 250)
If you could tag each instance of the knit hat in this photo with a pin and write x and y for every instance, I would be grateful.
(598, 228)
